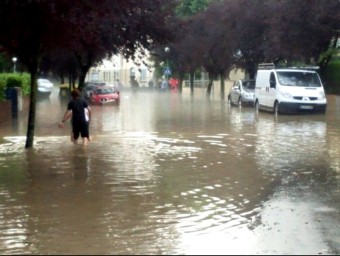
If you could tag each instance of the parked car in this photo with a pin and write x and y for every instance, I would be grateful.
(90, 86)
(242, 92)
(45, 86)
(105, 94)
(88, 89)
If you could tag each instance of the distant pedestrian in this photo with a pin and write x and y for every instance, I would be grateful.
(173, 82)
(118, 85)
(165, 84)
(80, 112)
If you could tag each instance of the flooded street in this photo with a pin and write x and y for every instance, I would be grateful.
(172, 174)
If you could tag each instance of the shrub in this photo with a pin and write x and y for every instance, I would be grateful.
(26, 84)
(332, 71)
(332, 76)
(22, 80)
(14, 82)
(2, 88)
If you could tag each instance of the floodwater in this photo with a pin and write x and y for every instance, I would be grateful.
(172, 174)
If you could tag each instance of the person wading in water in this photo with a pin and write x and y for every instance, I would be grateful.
(79, 110)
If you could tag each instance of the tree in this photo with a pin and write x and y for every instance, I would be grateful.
(249, 28)
(190, 7)
(125, 27)
(189, 50)
(185, 53)
(219, 42)
(301, 30)
(88, 29)
(26, 27)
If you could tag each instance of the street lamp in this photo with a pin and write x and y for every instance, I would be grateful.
(14, 59)
(167, 71)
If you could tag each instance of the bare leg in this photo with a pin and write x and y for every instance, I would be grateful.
(85, 141)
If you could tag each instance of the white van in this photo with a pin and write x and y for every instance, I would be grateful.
(289, 90)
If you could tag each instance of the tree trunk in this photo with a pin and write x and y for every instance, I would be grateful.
(32, 109)
(192, 82)
(83, 71)
(222, 85)
(180, 82)
(210, 84)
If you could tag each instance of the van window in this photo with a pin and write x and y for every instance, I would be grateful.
(303, 79)
(272, 80)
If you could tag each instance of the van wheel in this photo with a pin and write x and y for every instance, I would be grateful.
(257, 107)
(276, 108)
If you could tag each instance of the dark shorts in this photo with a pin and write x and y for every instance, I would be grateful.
(81, 129)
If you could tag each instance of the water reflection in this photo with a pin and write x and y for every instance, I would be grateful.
(170, 174)
(288, 140)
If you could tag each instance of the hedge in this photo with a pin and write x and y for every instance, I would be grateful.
(332, 75)
(22, 80)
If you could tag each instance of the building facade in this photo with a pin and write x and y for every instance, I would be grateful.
(132, 75)
(127, 72)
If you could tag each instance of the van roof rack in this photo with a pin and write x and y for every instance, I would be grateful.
(308, 67)
(266, 66)
(272, 66)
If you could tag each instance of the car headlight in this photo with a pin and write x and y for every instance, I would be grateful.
(286, 95)
(322, 95)
(248, 95)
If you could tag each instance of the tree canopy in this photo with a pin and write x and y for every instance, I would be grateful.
(243, 33)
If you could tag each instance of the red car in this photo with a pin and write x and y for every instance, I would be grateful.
(104, 95)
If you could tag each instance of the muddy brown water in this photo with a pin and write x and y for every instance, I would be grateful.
(171, 174)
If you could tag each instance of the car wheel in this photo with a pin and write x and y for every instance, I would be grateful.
(276, 108)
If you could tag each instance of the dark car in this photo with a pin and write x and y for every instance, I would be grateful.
(242, 92)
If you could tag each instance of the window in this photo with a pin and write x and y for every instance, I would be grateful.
(94, 76)
(132, 72)
(144, 73)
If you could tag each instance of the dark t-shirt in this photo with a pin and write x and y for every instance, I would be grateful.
(78, 110)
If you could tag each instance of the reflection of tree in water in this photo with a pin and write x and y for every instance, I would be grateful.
(64, 200)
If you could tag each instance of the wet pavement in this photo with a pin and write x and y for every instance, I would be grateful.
(172, 174)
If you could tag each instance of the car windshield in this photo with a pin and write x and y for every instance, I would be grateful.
(249, 85)
(303, 79)
(104, 90)
(43, 80)
(90, 87)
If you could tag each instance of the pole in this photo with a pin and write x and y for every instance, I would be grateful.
(14, 59)
(167, 50)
